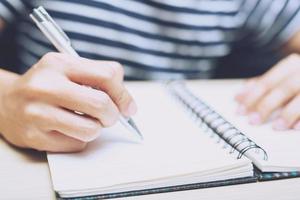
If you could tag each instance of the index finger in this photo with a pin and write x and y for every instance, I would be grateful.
(104, 75)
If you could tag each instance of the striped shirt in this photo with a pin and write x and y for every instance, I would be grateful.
(156, 39)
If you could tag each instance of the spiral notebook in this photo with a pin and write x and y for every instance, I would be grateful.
(188, 145)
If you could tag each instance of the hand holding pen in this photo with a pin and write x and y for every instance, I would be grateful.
(63, 44)
(37, 108)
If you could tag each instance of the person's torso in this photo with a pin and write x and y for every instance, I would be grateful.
(152, 39)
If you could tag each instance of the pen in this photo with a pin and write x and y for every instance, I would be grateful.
(63, 44)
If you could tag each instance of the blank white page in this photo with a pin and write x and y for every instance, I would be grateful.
(283, 147)
(173, 146)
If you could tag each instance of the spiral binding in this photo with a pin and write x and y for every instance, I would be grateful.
(214, 122)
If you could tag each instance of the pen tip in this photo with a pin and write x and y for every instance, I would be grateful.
(138, 132)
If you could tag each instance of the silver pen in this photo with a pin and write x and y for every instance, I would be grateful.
(63, 44)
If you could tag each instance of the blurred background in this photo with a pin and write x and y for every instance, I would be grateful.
(253, 63)
(8, 49)
(241, 63)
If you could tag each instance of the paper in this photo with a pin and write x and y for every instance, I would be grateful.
(173, 147)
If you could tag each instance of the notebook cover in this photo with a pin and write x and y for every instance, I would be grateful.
(270, 176)
(167, 189)
(259, 176)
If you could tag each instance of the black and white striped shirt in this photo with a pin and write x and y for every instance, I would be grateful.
(156, 39)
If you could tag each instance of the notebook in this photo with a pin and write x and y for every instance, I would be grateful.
(281, 148)
(188, 144)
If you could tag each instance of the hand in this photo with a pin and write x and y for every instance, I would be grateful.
(37, 110)
(276, 90)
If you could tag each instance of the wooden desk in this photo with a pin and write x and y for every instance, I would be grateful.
(25, 175)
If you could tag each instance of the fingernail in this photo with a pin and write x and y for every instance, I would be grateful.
(255, 119)
(297, 126)
(241, 110)
(280, 125)
(132, 108)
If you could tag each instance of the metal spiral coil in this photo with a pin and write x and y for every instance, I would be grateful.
(214, 122)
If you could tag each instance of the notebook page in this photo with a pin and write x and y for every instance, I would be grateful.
(173, 146)
(283, 148)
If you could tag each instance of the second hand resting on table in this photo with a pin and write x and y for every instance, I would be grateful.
(36, 109)
(278, 89)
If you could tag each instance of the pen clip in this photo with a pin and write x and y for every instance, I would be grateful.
(47, 17)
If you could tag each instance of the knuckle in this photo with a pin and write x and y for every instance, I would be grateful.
(104, 109)
(90, 131)
(32, 112)
(98, 103)
(123, 97)
(107, 111)
(265, 106)
(91, 127)
(56, 61)
(30, 135)
(79, 146)
(49, 58)
(115, 70)
(110, 120)
(35, 87)
(40, 85)
(102, 102)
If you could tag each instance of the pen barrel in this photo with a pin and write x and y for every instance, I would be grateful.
(56, 39)
(59, 42)
(69, 50)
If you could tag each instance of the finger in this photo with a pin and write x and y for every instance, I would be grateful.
(55, 142)
(241, 95)
(50, 118)
(297, 125)
(277, 97)
(103, 75)
(267, 82)
(248, 85)
(75, 126)
(289, 115)
(94, 103)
